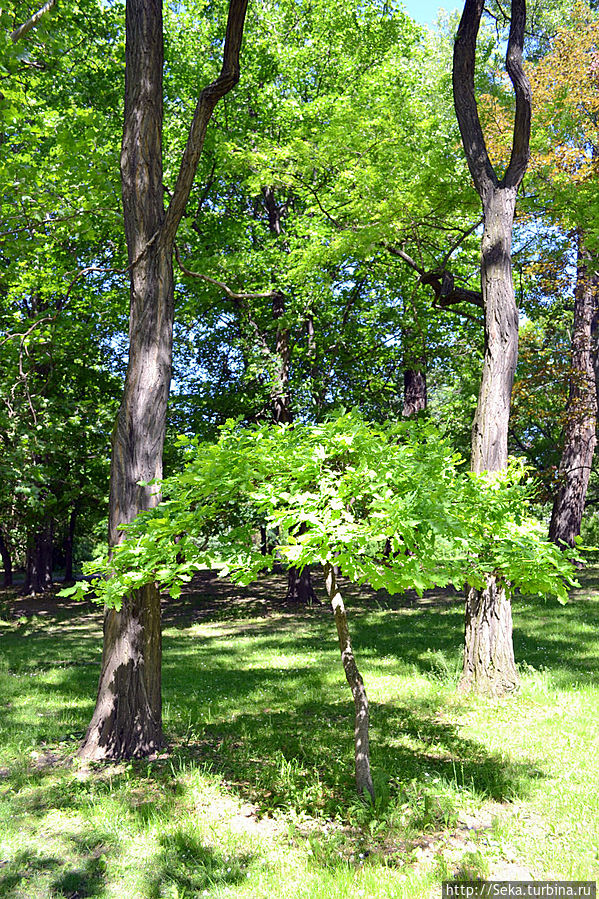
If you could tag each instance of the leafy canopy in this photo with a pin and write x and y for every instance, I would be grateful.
(389, 504)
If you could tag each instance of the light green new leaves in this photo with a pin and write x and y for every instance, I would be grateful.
(388, 504)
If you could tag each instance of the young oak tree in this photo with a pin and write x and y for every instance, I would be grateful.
(489, 665)
(387, 504)
(127, 720)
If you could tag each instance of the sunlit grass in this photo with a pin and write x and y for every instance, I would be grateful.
(254, 795)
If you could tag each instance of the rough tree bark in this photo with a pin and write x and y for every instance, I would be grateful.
(489, 665)
(581, 414)
(356, 684)
(127, 720)
(414, 391)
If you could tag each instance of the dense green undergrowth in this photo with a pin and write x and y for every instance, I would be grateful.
(254, 796)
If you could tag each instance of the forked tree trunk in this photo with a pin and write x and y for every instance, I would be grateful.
(488, 649)
(127, 719)
(354, 679)
(581, 415)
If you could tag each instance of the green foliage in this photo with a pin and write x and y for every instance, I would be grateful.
(388, 504)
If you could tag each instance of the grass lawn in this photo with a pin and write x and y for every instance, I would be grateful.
(254, 795)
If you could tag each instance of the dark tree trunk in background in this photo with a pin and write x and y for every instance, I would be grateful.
(489, 665)
(414, 392)
(38, 563)
(414, 369)
(354, 679)
(281, 401)
(299, 587)
(127, 721)
(6, 561)
(299, 584)
(68, 546)
(581, 414)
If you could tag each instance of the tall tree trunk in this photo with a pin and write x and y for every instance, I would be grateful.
(127, 719)
(489, 665)
(46, 552)
(281, 401)
(581, 415)
(354, 679)
(491, 419)
(414, 369)
(6, 561)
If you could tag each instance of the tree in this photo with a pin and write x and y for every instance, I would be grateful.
(388, 504)
(566, 90)
(562, 198)
(489, 665)
(127, 720)
(581, 413)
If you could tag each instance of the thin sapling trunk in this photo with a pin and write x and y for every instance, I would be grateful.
(354, 679)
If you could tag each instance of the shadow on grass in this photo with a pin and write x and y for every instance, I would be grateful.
(561, 639)
(82, 855)
(302, 758)
(192, 866)
(273, 728)
(179, 859)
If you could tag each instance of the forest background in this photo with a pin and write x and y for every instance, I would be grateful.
(333, 227)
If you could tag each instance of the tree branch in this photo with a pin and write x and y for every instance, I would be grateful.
(230, 293)
(459, 241)
(401, 254)
(464, 54)
(447, 293)
(209, 97)
(27, 26)
(515, 69)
